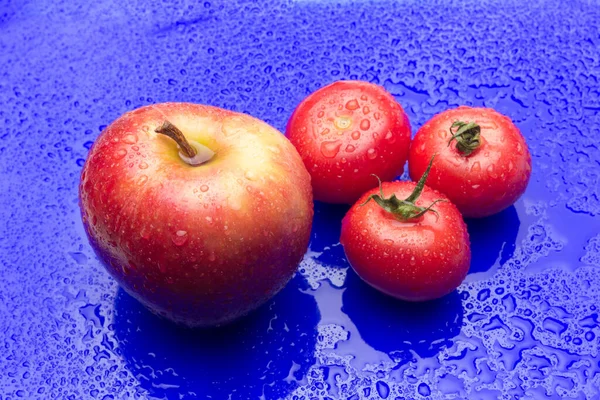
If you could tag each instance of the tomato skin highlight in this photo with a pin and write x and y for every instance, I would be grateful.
(487, 181)
(345, 132)
(414, 260)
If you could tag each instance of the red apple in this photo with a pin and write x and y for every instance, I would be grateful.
(200, 213)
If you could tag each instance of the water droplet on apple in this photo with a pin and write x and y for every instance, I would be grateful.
(143, 165)
(365, 124)
(510, 166)
(209, 220)
(130, 139)
(352, 104)
(476, 167)
(232, 125)
(350, 148)
(204, 188)
(142, 180)
(389, 136)
(519, 148)
(372, 154)
(119, 154)
(366, 110)
(145, 233)
(179, 238)
(211, 256)
(330, 149)
(325, 131)
(377, 116)
(389, 242)
(320, 114)
(355, 135)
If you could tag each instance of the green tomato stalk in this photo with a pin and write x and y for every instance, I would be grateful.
(406, 209)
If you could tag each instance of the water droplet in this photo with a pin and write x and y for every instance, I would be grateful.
(389, 242)
(377, 116)
(476, 167)
(320, 114)
(204, 188)
(350, 148)
(209, 220)
(491, 171)
(250, 175)
(510, 166)
(130, 139)
(211, 256)
(143, 165)
(389, 136)
(424, 390)
(145, 232)
(372, 154)
(352, 104)
(119, 154)
(142, 180)
(363, 97)
(355, 135)
(330, 149)
(180, 238)
(475, 186)
(366, 110)
(233, 125)
(342, 122)
(325, 131)
(519, 148)
(274, 149)
(365, 124)
(80, 258)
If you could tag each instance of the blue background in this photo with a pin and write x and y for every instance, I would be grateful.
(525, 323)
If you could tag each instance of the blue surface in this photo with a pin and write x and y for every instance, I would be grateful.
(524, 325)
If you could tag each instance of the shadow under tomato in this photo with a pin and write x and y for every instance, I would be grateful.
(264, 354)
(325, 236)
(493, 239)
(400, 328)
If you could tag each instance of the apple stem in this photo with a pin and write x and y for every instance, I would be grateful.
(170, 130)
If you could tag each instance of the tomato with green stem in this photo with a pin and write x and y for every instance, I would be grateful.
(483, 164)
(416, 249)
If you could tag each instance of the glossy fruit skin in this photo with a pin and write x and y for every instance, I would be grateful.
(200, 245)
(484, 183)
(345, 132)
(416, 260)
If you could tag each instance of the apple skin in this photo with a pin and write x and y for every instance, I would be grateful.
(200, 245)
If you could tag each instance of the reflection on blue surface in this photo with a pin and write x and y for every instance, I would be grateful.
(264, 354)
(493, 239)
(401, 328)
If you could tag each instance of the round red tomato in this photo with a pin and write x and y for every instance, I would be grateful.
(404, 248)
(345, 132)
(483, 164)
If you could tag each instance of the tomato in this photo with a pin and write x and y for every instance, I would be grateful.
(345, 132)
(415, 249)
(483, 164)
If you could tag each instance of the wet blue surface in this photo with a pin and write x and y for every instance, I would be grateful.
(524, 325)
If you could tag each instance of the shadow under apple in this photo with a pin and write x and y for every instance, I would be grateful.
(493, 239)
(399, 328)
(264, 354)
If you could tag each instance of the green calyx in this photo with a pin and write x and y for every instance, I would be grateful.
(467, 136)
(404, 210)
